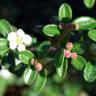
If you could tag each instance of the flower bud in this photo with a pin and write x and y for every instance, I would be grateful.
(74, 55)
(62, 26)
(38, 67)
(69, 45)
(67, 53)
(70, 26)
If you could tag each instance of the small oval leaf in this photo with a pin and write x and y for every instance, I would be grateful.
(29, 75)
(89, 3)
(51, 30)
(5, 27)
(40, 81)
(3, 46)
(92, 34)
(78, 48)
(65, 67)
(61, 64)
(25, 56)
(79, 62)
(65, 11)
(85, 23)
(90, 72)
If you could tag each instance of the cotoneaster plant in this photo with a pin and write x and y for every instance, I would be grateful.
(68, 43)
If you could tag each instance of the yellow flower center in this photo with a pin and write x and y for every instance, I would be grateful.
(19, 40)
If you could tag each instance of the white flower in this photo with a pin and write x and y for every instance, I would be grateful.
(19, 40)
(21, 47)
(27, 39)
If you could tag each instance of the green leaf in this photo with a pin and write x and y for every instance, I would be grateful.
(61, 64)
(77, 48)
(51, 30)
(65, 11)
(89, 3)
(90, 72)
(57, 78)
(92, 34)
(40, 81)
(85, 23)
(34, 40)
(65, 67)
(5, 27)
(44, 46)
(79, 62)
(29, 75)
(3, 46)
(25, 56)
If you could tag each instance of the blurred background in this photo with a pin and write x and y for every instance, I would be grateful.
(26, 14)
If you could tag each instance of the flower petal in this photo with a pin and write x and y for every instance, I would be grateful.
(67, 53)
(27, 39)
(11, 36)
(21, 47)
(20, 33)
(12, 45)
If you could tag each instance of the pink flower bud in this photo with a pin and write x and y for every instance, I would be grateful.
(69, 45)
(74, 55)
(67, 53)
(38, 67)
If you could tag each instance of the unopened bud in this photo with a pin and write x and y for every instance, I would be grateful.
(38, 67)
(69, 45)
(62, 26)
(67, 53)
(74, 55)
(71, 26)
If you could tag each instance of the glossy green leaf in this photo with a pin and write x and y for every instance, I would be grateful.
(57, 78)
(77, 48)
(44, 46)
(29, 75)
(85, 23)
(65, 11)
(92, 34)
(89, 3)
(65, 67)
(34, 40)
(5, 27)
(40, 81)
(61, 64)
(3, 46)
(79, 62)
(90, 72)
(25, 56)
(51, 30)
